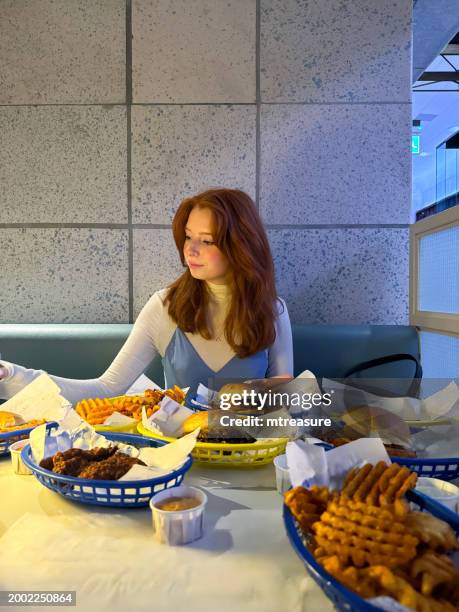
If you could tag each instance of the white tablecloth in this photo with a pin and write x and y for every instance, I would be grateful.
(244, 562)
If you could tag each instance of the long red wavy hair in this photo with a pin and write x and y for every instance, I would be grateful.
(239, 233)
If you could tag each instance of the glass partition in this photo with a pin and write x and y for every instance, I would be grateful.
(447, 169)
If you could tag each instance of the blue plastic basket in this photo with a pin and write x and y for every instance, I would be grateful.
(341, 597)
(112, 493)
(446, 468)
(7, 439)
(193, 404)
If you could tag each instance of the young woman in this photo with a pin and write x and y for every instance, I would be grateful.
(221, 319)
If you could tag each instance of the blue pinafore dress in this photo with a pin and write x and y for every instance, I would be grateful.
(184, 367)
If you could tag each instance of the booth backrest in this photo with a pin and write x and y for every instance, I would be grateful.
(85, 350)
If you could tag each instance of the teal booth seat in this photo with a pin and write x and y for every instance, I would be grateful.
(332, 351)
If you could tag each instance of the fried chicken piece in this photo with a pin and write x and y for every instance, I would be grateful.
(73, 460)
(450, 592)
(175, 393)
(394, 450)
(340, 441)
(110, 469)
(379, 580)
(405, 594)
(70, 462)
(47, 463)
(95, 410)
(437, 534)
(434, 569)
(102, 463)
(102, 452)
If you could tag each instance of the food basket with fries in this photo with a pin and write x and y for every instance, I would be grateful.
(226, 454)
(342, 597)
(95, 411)
(9, 435)
(111, 493)
(374, 539)
(8, 438)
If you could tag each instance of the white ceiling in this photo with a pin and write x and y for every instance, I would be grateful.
(435, 22)
(443, 109)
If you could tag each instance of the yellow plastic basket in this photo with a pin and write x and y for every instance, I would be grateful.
(127, 428)
(246, 456)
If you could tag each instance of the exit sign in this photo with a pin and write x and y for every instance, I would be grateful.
(415, 144)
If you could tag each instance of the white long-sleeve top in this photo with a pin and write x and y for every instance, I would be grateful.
(150, 335)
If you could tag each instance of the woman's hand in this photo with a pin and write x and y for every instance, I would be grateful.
(3, 372)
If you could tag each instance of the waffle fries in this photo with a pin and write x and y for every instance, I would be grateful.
(378, 483)
(368, 539)
(364, 535)
(95, 411)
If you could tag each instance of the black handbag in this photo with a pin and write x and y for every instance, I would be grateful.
(398, 386)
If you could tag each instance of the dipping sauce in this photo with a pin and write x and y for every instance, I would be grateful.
(176, 504)
(19, 445)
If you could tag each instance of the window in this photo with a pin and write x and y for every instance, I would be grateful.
(434, 288)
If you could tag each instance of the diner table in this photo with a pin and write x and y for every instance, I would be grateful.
(109, 556)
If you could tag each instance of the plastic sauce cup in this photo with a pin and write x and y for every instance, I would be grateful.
(180, 526)
(15, 449)
(283, 483)
(445, 493)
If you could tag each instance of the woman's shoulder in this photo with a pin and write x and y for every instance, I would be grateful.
(155, 318)
(161, 294)
(158, 297)
(155, 305)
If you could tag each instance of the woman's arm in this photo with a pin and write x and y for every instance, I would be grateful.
(131, 361)
(280, 354)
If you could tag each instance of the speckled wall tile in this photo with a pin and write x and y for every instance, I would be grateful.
(63, 164)
(335, 50)
(349, 276)
(338, 164)
(180, 150)
(56, 52)
(64, 276)
(156, 263)
(200, 51)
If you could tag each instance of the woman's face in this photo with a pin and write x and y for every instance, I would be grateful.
(203, 258)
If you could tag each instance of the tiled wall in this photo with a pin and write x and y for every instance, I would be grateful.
(303, 104)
